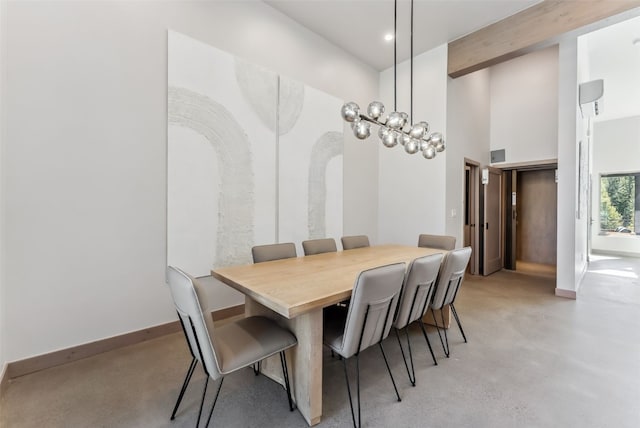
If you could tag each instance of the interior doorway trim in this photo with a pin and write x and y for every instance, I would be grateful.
(471, 219)
(525, 166)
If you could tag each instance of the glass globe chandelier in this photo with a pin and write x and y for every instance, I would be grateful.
(397, 128)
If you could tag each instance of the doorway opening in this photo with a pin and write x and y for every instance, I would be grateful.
(531, 227)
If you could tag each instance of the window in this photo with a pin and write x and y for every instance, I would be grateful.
(619, 202)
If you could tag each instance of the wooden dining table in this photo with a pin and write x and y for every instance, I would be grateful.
(294, 292)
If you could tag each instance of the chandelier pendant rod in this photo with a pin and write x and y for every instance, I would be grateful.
(395, 55)
(411, 66)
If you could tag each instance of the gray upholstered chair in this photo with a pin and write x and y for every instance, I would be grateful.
(319, 246)
(449, 282)
(206, 281)
(368, 320)
(351, 242)
(266, 253)
(417, 291)
(442, 242)
(228, 348)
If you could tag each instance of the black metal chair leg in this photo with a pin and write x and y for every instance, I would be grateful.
(389, 370)
(358, 390)
(204, 393)
(412, 379)
(445, 348)
(187, 379)
(285, 373)
(256, 368)
(455, 315)
(215, 399)
(426, 337)
(346, 378)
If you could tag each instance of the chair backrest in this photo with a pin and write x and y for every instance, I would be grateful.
(187, 295)
(442, 242)
(372, 307)
(451, 277)
(186, 328)
(351, 242)
(319, 246)
(266, 253)
(417, 290)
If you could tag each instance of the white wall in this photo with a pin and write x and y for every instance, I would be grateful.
(524, 107)
(468, 123)
(3, 41)
(571, 245)
(616, 148)
(411, 188)
(84, 159)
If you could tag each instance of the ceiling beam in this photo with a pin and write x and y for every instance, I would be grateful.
(514, 35)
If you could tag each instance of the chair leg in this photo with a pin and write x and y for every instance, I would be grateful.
(411, 373)
(285, 373)
(446, 340)
(455, 315)
(389, 370)
(256, 368)
(204, 393)
(187, 379)
(215, 399)
(424, 332)
(346, 378)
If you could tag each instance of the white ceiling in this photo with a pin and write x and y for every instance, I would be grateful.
(358, 26)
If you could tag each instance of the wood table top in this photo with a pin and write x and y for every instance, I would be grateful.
(291, 287)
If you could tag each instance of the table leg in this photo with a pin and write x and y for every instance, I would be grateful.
(304, 360)
(445, 313)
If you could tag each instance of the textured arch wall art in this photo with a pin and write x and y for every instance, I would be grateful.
(253, 158)
(310, 192)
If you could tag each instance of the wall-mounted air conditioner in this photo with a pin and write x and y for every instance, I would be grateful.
(590, 96)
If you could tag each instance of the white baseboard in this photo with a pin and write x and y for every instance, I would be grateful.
(615, 253)
(567, 294)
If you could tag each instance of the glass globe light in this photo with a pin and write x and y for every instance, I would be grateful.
(350, 111)
(403, 139)
(435, 138)
(394, 120)
(355, 122)
(382, 131)
(411, 146)
(389, 139)
(418, 130)
(405, 119)
(429, 152)
(362, 130)
(375, 109)
(437, 141)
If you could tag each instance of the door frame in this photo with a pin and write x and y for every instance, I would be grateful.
(510, 172)
(472, 198)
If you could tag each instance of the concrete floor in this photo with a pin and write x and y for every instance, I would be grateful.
(533, 360)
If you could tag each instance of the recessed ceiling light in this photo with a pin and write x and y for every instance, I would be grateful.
(388, 37)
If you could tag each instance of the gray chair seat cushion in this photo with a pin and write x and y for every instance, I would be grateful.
(250, 340)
